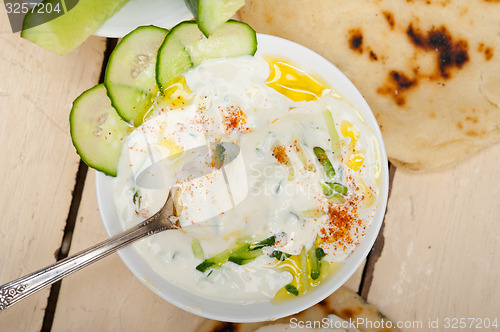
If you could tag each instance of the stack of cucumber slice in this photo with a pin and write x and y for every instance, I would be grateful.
(141, 68)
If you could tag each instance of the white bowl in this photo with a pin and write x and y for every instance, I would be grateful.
(253, 312)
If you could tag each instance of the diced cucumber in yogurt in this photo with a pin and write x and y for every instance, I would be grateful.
(315, 256)
(186, 47)
(240, 255)
(334, 135)
(210, 14)
(97, 130)
(324, 161)
(130, 75)
(330, 188)
(197, 249)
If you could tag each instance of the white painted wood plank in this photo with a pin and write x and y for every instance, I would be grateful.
(37, 161)
(442, 244)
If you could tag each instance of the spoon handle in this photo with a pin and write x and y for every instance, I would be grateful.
(18, 289)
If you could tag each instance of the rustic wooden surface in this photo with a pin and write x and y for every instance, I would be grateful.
(439, 258)
(37, 160)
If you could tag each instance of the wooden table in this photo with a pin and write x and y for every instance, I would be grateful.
(438, 256)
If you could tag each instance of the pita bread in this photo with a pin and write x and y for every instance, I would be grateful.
(344, 303)
(430, 70)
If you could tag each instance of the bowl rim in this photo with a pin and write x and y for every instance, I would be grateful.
(227, 311)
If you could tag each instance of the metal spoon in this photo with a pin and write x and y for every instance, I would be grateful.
(18, 289)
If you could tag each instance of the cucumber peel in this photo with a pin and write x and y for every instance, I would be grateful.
(97, 130)
(210, 14)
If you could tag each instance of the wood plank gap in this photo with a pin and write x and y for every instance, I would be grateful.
(376, 251)
(65, 244)
(65, 247)
(110, 46)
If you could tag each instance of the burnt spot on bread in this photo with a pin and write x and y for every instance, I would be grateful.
(402, 81)
(373, 56)
(347, 313)
(475, 133)
(323, 304)
(470, 123)
(389, 17)
(397, 83)
(473, 119)
(450, 54)
(350, 313)
(225, 327)
(487, 51)
(356, 40)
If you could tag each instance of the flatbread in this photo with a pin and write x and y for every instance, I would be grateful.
(429, 69)
(344, 303)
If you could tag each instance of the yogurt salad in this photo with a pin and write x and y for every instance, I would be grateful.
(310, 176)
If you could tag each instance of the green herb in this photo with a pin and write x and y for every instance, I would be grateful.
(292, 289)
(320, 253)
(219, 156)
(264, 243)
(279, 255)
(136, 199)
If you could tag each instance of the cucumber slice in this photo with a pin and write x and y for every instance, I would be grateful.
(134, 103)
(173, 60)
(186, 47)
(97, 130)
(66, 32)
(210, 14)
(130, 75)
